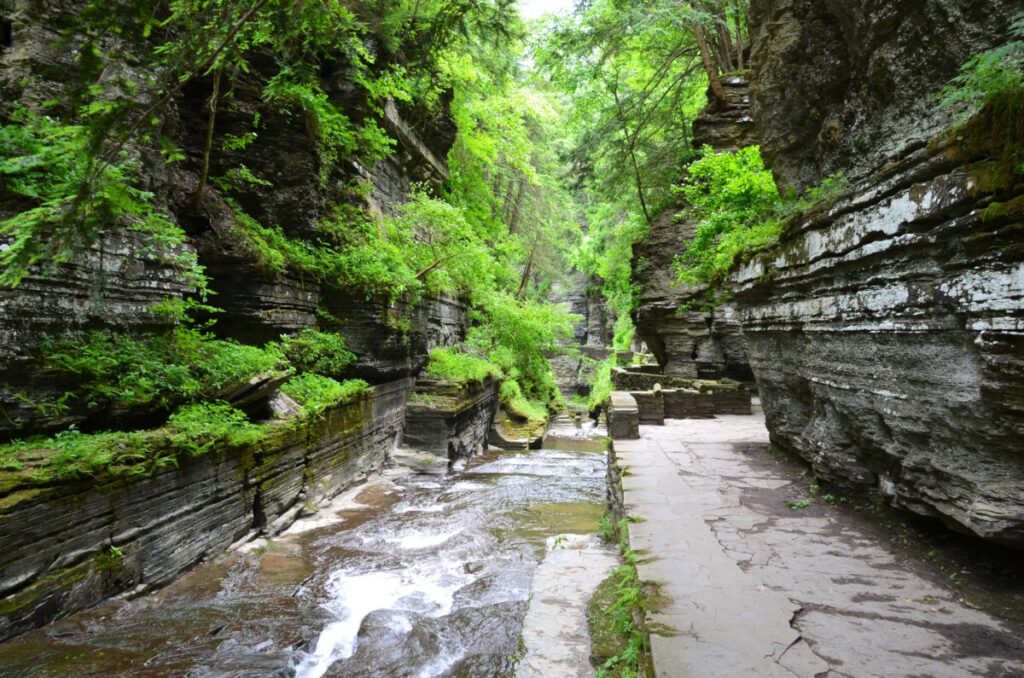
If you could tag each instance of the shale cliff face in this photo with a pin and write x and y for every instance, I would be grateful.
(671, 318)
(114, 284)
(885, 330)
(847, 86)
(70, 543)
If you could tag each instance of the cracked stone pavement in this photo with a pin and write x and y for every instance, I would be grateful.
(748, 589)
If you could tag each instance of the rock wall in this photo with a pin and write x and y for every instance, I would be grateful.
(592, 335)
(57, 559)
(848, 85)
(114, 284)
(688, 339)
(886, 330)
(57, 538)
(450, 421)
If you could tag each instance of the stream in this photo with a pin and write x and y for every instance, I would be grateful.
(412, 574)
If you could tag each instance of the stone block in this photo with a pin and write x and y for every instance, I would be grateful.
(623, 417)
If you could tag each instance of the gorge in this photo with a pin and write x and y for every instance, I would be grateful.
(316, 315)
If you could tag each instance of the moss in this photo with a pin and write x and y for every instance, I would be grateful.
(605, 640)
(1000, 210)
(44, 585)
(995, 137)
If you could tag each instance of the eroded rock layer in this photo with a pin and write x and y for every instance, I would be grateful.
(450, 420)
(672, 318)
(57, 556)
(886, 328)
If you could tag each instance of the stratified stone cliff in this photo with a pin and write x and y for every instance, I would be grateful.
(592, 335)
(886, 330)
(68, 542)
(114, 284)
(687, 337)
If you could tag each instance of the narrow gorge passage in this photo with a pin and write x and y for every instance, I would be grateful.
(410, 574)
(314, 315)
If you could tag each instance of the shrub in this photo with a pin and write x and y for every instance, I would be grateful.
(315, 351)
(193, 430)
(46, 166)
(517, 404)
(735, 203)
(184, 364)
(988, 76)
(463, 368)
(316, 393)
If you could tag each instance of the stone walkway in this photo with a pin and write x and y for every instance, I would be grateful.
(555, 633)
(750, 587)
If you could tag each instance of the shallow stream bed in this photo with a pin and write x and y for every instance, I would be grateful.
(409, 575)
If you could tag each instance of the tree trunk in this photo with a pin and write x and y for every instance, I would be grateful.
(526, 273)
(717, 91)
(210, 123)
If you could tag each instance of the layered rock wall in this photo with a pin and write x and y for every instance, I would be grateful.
(114, 284)
(451, 421)
(687, 337)
(886, 330)
(57, 555)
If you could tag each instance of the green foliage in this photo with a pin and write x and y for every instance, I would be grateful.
(518, 405)
(628, 607)
(460, 367)
(601, 387)
(184, 364)
(193, 430)
(201, 428)
(330, 129)
(517, 336)
(988, 100)
(64, 199)
(313, 351)
(988, 76)
(316, 393)
(735, 202)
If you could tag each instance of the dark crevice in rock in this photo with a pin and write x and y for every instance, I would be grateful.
(6, 35)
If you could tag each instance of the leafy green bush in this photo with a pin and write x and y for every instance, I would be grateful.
(735, 202)
(184, 364)
(460, 367)
(315, 351)
(518, 405)
(601, 387)
(68, 198)
(988, 100)
(316, 393)
(518, 335)
(198, 429)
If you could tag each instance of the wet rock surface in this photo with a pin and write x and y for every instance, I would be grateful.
(555, 630)
(450, 421)
(57, 560)
(406, 575)
(758, 578)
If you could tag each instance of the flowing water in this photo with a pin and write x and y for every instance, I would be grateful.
(424, 575)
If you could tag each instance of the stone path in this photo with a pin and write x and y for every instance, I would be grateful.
(752, 588)
(555, 632)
